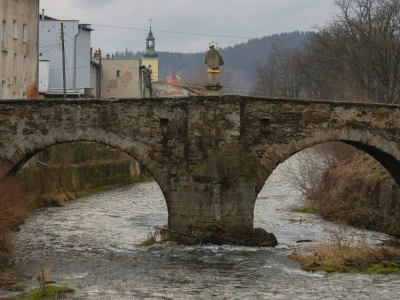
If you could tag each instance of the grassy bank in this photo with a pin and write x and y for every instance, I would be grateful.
(358, 191)
(384, 260)
(50, 292)
(354, 190)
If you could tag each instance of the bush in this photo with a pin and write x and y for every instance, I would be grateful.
(342, 186)
(14, 210)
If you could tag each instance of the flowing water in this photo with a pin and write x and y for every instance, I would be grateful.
(93, 245)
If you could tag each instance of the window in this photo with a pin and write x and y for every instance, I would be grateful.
(23, 95)
(25, 33)
(15, 64)
(25, 68)
(4, 89)
(4, 46)
(15, 29)
(118, 73)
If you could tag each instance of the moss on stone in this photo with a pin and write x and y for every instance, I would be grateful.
(50, 292)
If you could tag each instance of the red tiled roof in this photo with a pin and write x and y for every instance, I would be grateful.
(173, 80)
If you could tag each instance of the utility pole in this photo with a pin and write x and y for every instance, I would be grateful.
(63, 60)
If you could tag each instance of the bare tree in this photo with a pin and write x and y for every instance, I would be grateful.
(361, 47)
(280, 76)
(267, 81)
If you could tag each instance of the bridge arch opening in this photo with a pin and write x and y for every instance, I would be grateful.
(61, 170)
(349, 181)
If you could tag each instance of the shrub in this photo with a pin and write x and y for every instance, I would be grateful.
(14, 209)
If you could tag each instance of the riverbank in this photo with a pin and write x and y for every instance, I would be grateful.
(69, 171)
(359, 192)
(364, 260)
(56, 176)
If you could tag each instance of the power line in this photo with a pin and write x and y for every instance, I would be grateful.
(70, 68)
(73, 41)
(41, 52)
(47, 46)
(196, 33)
(78, 52)
(175, 32)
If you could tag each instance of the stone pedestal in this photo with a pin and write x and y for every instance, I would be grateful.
(213, 86)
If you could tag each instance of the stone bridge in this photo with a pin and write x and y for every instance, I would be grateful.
(210, 155)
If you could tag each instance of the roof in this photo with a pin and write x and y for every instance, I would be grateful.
(82, 26)
(163, 89)
(174, 80)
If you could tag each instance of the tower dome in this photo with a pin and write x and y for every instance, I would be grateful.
(150, 51)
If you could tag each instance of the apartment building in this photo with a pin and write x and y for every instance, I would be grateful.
(19, 48)
(77, 39)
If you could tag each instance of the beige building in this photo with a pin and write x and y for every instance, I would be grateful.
(19, 46)
(120, 78)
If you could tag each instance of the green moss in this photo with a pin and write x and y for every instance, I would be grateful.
(382, 269)
(310, 208)
(51, 292)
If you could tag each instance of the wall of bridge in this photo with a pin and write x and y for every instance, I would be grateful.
(210, 155)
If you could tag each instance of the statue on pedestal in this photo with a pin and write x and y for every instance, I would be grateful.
(214, 60)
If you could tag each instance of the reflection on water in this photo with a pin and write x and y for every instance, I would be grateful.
(92, 245)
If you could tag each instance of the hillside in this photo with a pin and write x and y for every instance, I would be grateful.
(240, 60)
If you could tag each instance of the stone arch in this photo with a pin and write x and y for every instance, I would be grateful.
(17, 155)
(385, 151)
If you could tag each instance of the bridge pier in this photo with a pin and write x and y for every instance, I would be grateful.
(197, 205)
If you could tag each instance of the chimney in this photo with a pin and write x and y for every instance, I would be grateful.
(43, 14)
(97, 54)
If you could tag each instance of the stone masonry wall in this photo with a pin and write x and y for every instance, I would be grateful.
(210, 155)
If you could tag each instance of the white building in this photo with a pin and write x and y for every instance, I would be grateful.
(77, 55)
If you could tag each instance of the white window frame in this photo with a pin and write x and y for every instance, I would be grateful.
(4, 89)
(25, 33)
(25, 69)
(15, 30)
(4, 44)
(15, 65)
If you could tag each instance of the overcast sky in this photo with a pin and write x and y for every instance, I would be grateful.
(239, 18)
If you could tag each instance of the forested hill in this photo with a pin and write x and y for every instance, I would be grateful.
(240, 56)
(240, 59)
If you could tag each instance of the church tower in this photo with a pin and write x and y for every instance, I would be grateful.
(150, 55)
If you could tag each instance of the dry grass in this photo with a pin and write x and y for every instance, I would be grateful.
(44, 277)
(343, 253)
(14, 210)
(58, 198)
(346, 185)
(384, 260)
(158, 236)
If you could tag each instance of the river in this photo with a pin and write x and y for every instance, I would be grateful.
(93, 245)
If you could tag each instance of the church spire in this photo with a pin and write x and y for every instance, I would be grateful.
(150, 51)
